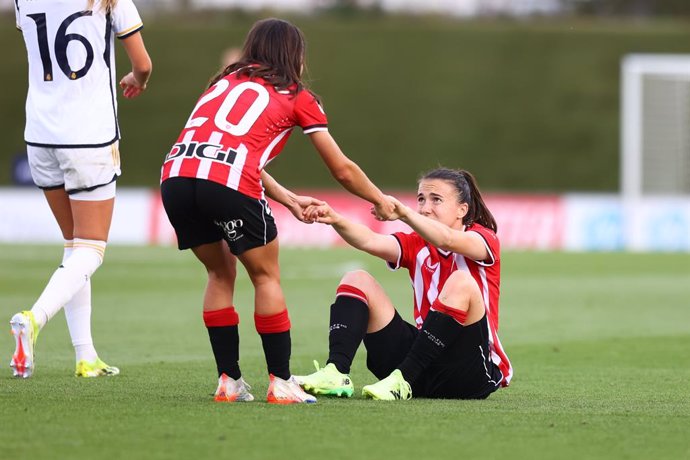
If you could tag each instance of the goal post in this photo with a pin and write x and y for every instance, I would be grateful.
(655, 151)
(655, 125)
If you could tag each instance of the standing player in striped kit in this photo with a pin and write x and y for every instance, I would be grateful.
(213, 192)
(453, 258)
(72, 138)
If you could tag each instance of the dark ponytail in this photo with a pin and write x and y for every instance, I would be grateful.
(468, 192)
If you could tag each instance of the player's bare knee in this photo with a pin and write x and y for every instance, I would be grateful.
(361, 279)
(458, 290)
(223, 271)
(225, 275)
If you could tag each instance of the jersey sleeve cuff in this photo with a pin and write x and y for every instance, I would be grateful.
(314, 128)
(492, 260)
(395, 266)
(130, 31)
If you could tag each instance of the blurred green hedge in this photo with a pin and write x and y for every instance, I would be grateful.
(526, 106)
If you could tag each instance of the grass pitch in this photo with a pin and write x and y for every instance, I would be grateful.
(599, 343)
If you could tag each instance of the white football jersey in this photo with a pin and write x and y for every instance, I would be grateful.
(72, 82)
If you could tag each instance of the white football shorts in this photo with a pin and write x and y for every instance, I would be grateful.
(78, 170)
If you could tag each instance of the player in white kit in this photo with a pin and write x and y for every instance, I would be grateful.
(72, 139)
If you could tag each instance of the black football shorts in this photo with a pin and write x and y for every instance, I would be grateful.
(202, 212)
(464, 371)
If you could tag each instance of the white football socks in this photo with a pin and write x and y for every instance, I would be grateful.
(78, 316)
(67, 281)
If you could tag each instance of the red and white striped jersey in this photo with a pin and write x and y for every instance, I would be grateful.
(237, 127)
(429, 269)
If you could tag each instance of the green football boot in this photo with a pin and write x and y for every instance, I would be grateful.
(389, 389)
(327, 381)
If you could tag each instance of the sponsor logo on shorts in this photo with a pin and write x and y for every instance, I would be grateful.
(230, 228)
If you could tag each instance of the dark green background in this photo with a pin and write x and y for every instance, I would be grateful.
(526, 106)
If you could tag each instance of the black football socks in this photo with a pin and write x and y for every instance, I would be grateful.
(348, 326)
(275, 339)
(439, 331)
(225, 342)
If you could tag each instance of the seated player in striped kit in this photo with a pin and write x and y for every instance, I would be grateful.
(72, 139)
(213, 189)
(453, 258)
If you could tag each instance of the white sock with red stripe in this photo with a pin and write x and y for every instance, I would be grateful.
(74, 273)
(78, 316)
